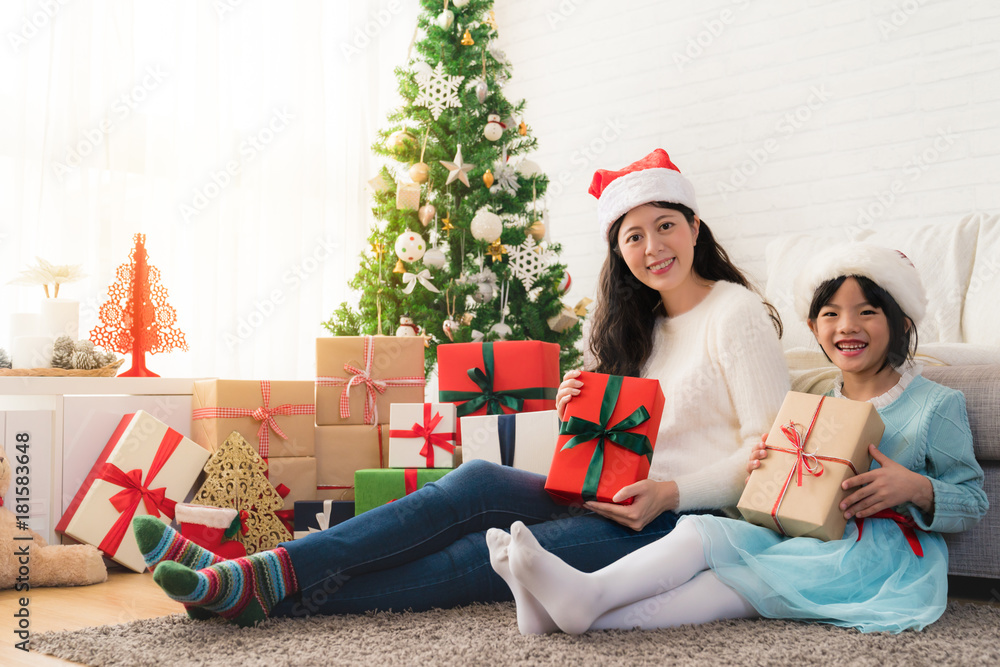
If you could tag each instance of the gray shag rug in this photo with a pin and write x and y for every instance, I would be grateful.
(487, 634)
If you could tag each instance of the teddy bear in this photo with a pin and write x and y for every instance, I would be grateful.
(48, 564)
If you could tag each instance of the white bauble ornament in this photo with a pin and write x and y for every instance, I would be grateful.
(529, 168)
(422, 69)
(501, 330)
(410, 246)
(460, 3)
(407, 327)
(484, 293)
(434, 258)
(445, 19)
(486, 226)
(482, 90)
(493, 129)
(565, 283)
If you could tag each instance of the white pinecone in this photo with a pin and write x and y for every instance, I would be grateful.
(62, 352)
(84, 356)
(4, 358)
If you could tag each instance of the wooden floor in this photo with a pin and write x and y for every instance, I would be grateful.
(128, 596)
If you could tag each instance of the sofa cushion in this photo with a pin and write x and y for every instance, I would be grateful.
(981, 386)
(980, 316)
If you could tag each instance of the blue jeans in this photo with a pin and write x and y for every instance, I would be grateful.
(428, 549)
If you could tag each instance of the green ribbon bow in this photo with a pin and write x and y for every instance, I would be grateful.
(583, 431)
(492, 399)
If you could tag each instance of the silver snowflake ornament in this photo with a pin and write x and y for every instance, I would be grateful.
(438, 90)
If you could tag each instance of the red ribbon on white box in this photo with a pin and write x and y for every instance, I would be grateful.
(357, 376)
(263, 413)
(444, 440)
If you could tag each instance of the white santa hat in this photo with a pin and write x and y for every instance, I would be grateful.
(889, 269)
(653, 178)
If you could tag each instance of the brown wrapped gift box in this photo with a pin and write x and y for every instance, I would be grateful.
(341, 450)
(246, 394)
(298, 473)
(843, 430)
(393, 357)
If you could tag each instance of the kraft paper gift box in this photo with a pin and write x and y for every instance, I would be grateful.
(297, 474)
(526, 441)
(498, 378)
(276, 417)
(373, 488)
(421, 435)
(358, 377)
(408, 196)
(342, 450)
(146, 468)
(312, 516)
(814, 445)
(607, 440)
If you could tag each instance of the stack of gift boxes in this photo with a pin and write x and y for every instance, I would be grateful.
(362, 436)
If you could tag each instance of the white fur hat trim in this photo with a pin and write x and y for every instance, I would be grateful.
(203, 515)
(642, 187)
(889, 269)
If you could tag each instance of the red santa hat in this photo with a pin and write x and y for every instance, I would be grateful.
(889, 269)
(653, 178)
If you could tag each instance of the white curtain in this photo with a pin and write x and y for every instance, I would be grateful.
(234, 134)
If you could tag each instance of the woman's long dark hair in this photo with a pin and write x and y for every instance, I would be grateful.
(621, 333)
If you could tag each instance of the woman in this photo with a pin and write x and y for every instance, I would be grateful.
(672, 307)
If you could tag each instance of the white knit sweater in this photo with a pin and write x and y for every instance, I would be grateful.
(723, 375)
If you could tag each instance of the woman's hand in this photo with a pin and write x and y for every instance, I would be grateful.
(758, 452)
(569, 388)
(885, 488)
(650, 500)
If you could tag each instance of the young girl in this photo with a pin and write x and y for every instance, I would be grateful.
(672, 307)
(888, 573)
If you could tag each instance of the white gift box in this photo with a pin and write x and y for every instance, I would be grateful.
(145, 468)
(526, 440)
(421, 435)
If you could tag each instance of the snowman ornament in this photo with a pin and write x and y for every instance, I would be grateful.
(407, 327)
(494, 128)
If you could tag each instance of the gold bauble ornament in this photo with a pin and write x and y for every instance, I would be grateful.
(426, 214)
(537, 230)
(488, 178)
(522, 129)
(467, 38)
(401, 140)
(419, 172)
(399, 268)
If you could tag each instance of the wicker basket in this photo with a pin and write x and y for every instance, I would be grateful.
(108, 371)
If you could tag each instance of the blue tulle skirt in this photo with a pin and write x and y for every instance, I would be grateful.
(875, 584)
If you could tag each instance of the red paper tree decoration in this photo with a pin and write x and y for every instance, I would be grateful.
(137, 318)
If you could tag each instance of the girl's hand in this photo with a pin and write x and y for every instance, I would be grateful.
(885, 488)
(569, 388)
(758, 452)
(650, 500)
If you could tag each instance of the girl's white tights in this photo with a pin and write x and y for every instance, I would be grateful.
(663, 584)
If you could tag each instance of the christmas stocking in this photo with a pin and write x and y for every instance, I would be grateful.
(211, 528)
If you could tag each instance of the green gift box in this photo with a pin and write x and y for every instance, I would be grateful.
(378, 486)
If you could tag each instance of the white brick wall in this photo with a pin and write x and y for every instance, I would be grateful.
(787, 116)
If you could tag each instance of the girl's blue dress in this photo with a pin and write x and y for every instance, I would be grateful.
(876, 583)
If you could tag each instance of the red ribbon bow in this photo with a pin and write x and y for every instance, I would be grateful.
(905, 523)
(426, 431)
(358, 376)
(810, 462)
(264, 414)
(135, 492)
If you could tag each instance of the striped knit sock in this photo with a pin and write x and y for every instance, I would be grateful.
(242, 590)
(159, 542)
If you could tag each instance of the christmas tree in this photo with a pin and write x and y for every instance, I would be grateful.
(136, 317)
(236, 478)
(458, 204)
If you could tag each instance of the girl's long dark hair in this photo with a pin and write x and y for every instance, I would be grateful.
(621, 332)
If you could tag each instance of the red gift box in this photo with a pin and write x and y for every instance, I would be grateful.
(498, 378)
(606, 441)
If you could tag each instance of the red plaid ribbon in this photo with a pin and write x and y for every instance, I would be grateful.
(264, 414)
(804, 461)
(134, 491)
(905, 523)
(373, 386)
(444, 440)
